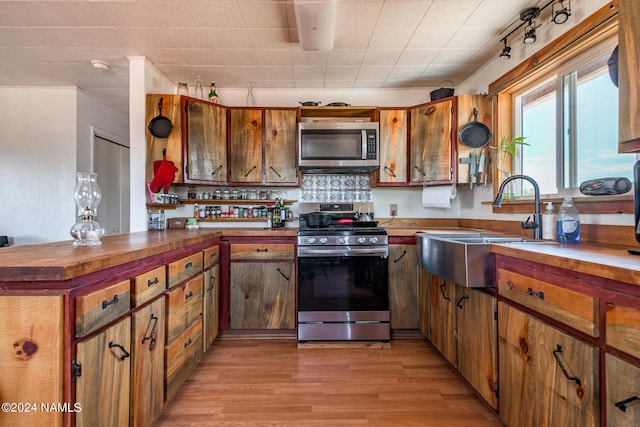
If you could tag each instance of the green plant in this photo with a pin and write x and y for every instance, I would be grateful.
(506, 151)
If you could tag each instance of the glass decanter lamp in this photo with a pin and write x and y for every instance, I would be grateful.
(87, 232)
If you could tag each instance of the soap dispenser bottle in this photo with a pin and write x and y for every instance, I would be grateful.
(549, 225)
(568, 223)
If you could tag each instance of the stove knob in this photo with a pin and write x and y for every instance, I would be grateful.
(373, 240)
(323, 240)
(342, 240)
(311, 240)
(362, 240)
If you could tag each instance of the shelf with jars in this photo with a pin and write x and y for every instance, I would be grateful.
(162, 206)
(244, 202)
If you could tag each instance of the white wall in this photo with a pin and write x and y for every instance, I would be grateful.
(44, 140)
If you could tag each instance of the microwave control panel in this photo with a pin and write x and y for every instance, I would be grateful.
(372, 149)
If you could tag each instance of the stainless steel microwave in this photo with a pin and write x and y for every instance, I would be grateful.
(338, 146)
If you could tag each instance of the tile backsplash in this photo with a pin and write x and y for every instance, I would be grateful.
(335, 188)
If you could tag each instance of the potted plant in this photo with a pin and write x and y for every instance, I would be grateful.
(504, 153)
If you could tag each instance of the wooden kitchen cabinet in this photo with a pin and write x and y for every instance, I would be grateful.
(98, 308)
(424, 310)
(172, 143)
(403, 286)
(442, 320)
(184, 306)
(393, 146)
(547, 377)
(147, 363)
(205, 142)
(628, 76)
(102, 386)
(432, 138)
(262, 146)
(623, 391)
(210, 312)
(464, 114)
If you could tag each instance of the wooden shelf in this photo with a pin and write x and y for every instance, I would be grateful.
(350, 112)
(233, 202)
(261, 219)
(161, 206)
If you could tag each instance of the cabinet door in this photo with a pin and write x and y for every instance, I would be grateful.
(246, 145)
(476, 330)
(103, 385)
(441, 307)
(263, 295)
(424, 309)
(629, 76)
(431, 143)
(184, 305)
(210, 306)
(547, 377)
(403, 287)
(147, 360)
(393, 147)
(206, 142)
(280, 147)
(32, 359)
(623, 389)
(466, 104)
(173, 143)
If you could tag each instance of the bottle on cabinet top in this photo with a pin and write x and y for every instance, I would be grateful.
(213, 95)
(568, 229)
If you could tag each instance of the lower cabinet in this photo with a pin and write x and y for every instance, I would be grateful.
(442, 321)
(211, 295)
(147, 363)
(547, 377)
(102, 388)
(403, 286)
(182, 356)
(623, 392)
(263, 295)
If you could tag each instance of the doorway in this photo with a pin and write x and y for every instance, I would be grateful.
(111, 163)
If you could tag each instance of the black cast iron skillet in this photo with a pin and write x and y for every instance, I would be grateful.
(474, 134)
(160, 126)
(310, 103)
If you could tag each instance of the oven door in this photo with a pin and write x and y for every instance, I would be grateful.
(343, 283)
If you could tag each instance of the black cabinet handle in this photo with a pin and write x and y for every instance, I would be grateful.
(390, 171)
(419, 169)
(262, 250)
(153, 282)
(212, 283)
(459, 303)
(188, 343)
(557, 351)
(282, 274)
(535, 294)
(188, 265)
(125, 353)
(151, 332)
(189, 295)
(115, 300)
(216, 170)
(442, 291)
(275, 171)
(400, 257)
(249, 171)
(622, 405)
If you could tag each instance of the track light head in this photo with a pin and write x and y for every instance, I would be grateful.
(560, 13)
(530, 35)
(506, 50)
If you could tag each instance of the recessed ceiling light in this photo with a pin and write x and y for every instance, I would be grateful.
(100, 65)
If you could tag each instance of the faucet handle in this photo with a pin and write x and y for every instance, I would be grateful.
(528, 224)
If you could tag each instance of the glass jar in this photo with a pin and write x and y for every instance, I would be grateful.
(218, 194)
(234, 194)
(243, 194)
(226, 194)
(253, 195)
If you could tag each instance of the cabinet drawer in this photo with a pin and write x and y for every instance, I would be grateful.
(183, 268)
(262, 251)
(102, 306)
(211, 256)
(623, 329)
(572, 308)
(184, 305)
(181, 357)
(147, 285)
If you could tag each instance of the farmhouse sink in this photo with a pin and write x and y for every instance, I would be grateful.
(463, 258)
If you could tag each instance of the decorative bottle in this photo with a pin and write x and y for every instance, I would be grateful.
(199, 92)
(213, 96)
(87, 195)
(568, 223)
(549, 225)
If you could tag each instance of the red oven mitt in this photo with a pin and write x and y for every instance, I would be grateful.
(163, 177)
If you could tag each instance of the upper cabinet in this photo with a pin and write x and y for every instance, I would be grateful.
(205, 142)
(172, 143)
(465, 115)
(432, 139)
(629, 76)
(393, 147)
(263, 146)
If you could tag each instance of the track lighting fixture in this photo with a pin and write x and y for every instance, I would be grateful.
(530, 34)
(560, 13)
(506, 50)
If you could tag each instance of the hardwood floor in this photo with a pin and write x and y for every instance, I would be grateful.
(271, 382)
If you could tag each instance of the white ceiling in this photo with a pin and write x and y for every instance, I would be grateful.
(378, 43)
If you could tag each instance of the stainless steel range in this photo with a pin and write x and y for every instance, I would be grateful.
(343, 291)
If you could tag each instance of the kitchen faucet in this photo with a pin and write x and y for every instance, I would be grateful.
(536, 225)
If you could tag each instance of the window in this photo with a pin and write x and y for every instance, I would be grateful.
(570, 120)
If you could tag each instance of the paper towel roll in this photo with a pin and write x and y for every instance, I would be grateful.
(438, 196)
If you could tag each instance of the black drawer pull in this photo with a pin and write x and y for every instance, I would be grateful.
(188, 265)
(153, 282)
(622, 405)
(459, 303)
(212, 283)
(442, 291)
(188, 343)
(282, 274)
(419, 169)
(275, 171)
(189, 295)
(115, 300)
(249, 171)
(216, 170)
(151, 333)
(125, 352)
(390, 171)
(262, 250)
(564, 371)
(400, 257)
(535, 294)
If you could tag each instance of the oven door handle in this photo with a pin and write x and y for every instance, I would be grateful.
(382, 251)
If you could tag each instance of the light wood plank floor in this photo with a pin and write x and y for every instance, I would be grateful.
(260, 382)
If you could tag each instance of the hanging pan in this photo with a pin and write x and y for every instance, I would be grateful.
(474, 134)
(160, 126)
